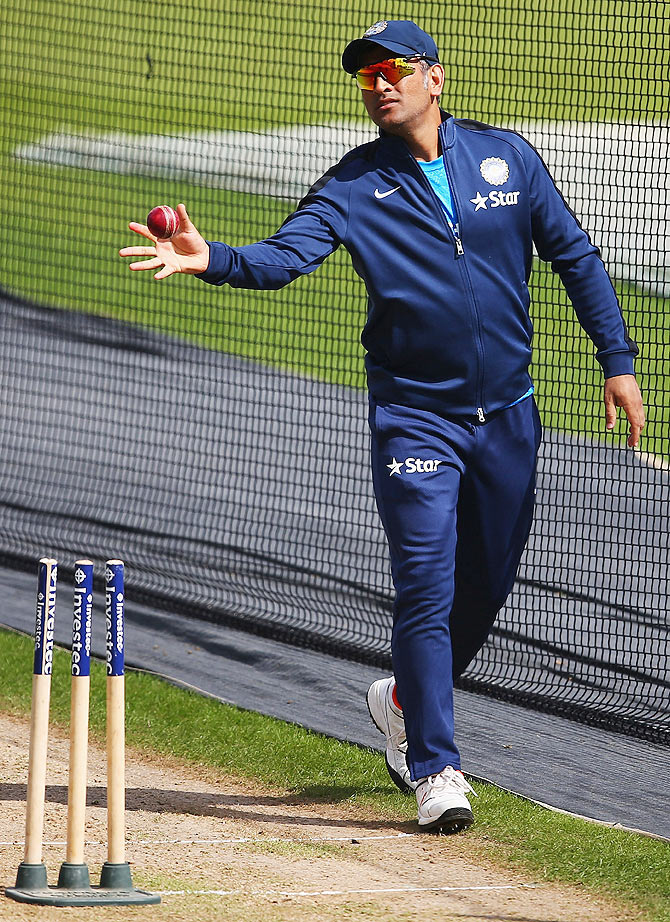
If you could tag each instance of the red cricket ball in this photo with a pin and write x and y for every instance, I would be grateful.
(163, 221)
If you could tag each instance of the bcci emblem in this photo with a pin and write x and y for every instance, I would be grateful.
(376, 29)
(494, 170)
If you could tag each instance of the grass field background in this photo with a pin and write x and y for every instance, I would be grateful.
(628, 867)
(178, 67)
(172, 68)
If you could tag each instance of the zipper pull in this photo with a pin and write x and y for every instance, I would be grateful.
(459, 246)
(480, 415)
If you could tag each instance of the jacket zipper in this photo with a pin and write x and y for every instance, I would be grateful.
(451, 229)
(459, 251)
(473, 301)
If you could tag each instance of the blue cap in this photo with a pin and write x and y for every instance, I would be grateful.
(400, 36)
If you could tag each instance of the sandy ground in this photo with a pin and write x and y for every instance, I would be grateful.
(218, 849)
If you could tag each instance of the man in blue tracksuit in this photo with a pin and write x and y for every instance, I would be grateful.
(439, 216)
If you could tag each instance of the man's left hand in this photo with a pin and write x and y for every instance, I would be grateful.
(622, 391)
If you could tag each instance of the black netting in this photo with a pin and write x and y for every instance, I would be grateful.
(216, 439)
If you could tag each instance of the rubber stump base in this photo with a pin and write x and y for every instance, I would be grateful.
(116, 887)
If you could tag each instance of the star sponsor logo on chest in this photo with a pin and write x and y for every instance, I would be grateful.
(413, 466)
(495, 171)
(495, 199)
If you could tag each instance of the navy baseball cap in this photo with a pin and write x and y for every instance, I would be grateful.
(400, 36)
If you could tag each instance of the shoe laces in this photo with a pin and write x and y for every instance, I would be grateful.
(449, 777)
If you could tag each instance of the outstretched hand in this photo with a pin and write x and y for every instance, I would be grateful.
(623, 391)
(185, 251)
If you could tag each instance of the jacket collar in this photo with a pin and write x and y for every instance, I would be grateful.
(446, 132)
(446, 129)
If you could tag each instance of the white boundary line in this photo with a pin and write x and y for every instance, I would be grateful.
(284, 162)
(353, 839)
(343, 892)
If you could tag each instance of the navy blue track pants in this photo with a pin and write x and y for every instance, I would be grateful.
(456, 501)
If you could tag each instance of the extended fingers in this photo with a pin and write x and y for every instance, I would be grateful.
(141, 229)
(144, 231)
(610, 410)
(634, 436)
(184, 220)
(147, 264)
(636, 425)
(635, 412)
(636, 420)
(138, 251)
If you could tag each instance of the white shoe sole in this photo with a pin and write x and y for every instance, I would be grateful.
(455, 819)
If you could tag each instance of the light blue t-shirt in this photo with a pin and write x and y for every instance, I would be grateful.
(437, 177)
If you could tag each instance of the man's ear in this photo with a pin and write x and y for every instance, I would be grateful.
(436, 84)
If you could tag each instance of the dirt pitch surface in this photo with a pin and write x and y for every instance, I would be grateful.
(221, 849)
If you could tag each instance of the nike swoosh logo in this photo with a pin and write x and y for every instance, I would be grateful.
(379, 194)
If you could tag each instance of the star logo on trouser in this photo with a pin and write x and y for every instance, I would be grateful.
(394, 467)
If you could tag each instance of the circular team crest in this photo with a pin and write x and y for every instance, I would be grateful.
(494, 170)
(376, 28)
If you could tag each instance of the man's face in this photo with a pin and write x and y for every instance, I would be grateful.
(404, 105)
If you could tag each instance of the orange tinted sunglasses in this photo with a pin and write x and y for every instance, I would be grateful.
(391, 70)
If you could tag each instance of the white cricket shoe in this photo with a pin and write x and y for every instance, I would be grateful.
(389, 720)
(442, 803)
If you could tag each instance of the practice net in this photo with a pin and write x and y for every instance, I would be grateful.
(216, 439)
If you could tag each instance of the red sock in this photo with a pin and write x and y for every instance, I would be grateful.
(394, 697)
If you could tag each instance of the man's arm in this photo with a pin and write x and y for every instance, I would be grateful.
(562, 241)
(307, 236)
(299, 247)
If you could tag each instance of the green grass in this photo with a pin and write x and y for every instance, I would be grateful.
(163, 719)
(82, 67)
(240, 63)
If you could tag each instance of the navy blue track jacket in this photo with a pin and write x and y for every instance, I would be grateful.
(448, 325)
